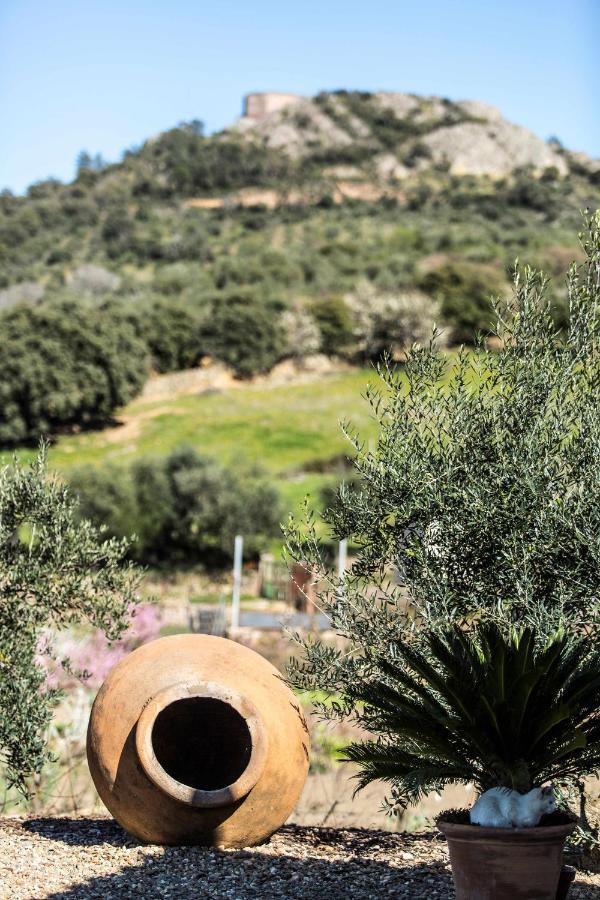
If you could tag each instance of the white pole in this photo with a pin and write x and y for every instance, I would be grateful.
(237, 581)
(342, 557)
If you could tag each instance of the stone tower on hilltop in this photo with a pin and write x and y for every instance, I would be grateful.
(257, 106)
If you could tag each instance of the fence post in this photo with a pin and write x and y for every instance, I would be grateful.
(237, 581)
(342, 557)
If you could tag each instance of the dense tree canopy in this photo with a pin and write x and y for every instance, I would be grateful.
(64, 365)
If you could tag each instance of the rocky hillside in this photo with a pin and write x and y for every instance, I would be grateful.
(392, 135)
(433, 175)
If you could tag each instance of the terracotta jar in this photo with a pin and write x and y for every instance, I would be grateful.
(195, 739)
(506, 863)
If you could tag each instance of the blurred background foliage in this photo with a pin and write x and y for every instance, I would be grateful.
(160, 263)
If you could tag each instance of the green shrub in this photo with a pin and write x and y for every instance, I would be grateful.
(184, 508)
(118, 232)
(65, 364)
(174, 279)
(174, 333)
(540, 194)
(464, 289)
(254, 265)
(335, 324)
(107, 496)
(245, 333)
(191, 163)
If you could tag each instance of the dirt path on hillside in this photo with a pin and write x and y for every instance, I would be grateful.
(130, 427)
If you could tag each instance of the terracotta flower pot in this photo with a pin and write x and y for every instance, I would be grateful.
(505, 863)
(195, 739)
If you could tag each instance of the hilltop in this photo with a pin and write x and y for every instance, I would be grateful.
(390, 136)
(415, 153)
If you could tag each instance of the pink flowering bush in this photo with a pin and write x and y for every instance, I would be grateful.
(91, 658)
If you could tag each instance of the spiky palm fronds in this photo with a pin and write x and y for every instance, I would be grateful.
(483, 705)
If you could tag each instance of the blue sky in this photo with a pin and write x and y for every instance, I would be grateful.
(105, 75)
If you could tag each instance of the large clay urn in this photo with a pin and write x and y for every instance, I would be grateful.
(195, 739)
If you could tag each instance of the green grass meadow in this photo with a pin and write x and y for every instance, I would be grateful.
(285, 430)
(280, 428)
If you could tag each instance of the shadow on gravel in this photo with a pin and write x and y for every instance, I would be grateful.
(186, 873)
(295, 866)
(359, 867)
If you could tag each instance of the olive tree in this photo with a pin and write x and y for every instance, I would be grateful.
(476, 521)
(55, 572)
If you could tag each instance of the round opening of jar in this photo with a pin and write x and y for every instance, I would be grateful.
(202, 742)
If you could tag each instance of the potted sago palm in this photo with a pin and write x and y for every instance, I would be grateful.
(469, 619)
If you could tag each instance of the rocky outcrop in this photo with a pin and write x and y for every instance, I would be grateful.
(392, 135)
(493, 148)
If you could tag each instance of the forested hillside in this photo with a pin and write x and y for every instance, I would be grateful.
(347, 224)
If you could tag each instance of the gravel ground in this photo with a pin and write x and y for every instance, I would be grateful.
(68, 858)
